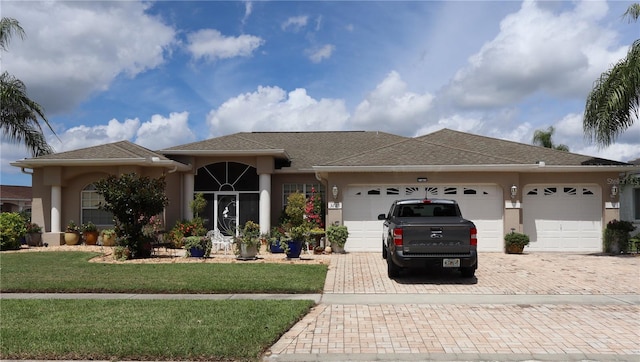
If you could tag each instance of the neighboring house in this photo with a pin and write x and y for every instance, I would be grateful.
(561, 199)
(15, 198)
(629, 188)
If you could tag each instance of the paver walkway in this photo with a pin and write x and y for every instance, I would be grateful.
(539, 306)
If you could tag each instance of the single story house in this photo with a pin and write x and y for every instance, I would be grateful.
(562, 200)
(15, 198)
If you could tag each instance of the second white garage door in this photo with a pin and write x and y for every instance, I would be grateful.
(563, 217)
(482, 204)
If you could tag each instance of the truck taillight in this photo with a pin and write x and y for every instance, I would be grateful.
(397, 236)
(474, 236)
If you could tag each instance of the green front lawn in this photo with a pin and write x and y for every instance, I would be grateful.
(70, 272)
(144, 329)
(147, 329)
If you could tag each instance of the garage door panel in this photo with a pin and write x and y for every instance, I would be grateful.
(563, 218)
(362, 204)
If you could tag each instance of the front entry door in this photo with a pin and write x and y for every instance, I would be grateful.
(226, 212)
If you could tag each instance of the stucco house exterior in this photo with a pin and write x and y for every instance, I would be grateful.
(561, 199)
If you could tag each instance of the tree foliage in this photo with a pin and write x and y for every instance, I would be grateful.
(613, 104)
(133, 200)
(543, 138)
(19, 115)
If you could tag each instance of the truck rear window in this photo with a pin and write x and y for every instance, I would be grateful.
(426, 210)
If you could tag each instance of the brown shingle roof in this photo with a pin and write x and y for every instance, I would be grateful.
(305, 149)
(116, 150)
(8, 192)
(511, 152)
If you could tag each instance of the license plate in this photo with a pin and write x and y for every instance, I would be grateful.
(451, 263)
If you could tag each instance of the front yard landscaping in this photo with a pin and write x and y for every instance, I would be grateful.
(147, 329)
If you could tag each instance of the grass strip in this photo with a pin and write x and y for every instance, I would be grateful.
(145, 329)
(70, 272)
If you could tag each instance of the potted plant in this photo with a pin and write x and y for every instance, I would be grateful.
(197, 246)
(616, 236)
(248, 242)
(514, 243)
(34, 234)
(108, 237)
(72, 233)
(294, 241)
(273, 240)
(337, 235)
(90, 233)
(296, 230)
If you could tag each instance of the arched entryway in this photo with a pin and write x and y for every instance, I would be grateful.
(232, 193)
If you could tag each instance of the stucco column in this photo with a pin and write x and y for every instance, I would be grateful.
(56, 206)
(265, 203)
(187, 195)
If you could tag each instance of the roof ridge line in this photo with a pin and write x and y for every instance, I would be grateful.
(373, 149)
(470, 151)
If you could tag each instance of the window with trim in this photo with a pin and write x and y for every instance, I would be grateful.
(90, 200)
(288, 189)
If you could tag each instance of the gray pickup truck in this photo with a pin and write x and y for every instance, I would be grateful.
(428, 232)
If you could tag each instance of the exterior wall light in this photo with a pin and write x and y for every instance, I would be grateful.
(514, 191)
(334, 191)
(614, 191)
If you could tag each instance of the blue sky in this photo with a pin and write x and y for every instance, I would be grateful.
(166, 73)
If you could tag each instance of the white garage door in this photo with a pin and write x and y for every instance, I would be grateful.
(563, 217)
(481, 204)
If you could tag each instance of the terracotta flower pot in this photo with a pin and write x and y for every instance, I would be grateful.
(514, 249)
(90, 237)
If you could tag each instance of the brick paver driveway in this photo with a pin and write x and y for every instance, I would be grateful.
(549, 306)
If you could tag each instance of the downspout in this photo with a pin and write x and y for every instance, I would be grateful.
(23, 171)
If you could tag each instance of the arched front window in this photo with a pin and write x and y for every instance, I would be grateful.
(91, 200)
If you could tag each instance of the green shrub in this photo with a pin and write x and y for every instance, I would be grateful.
(12, 228)
(198, 242)
(616, 236)
(516, 239)
(337, 234)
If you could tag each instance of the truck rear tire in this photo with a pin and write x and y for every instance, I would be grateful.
(393, 271)
(384, 251)
(468, 272)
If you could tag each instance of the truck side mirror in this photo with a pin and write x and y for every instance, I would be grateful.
(382, 217)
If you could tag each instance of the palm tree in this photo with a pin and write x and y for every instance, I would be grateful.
(19, 115)
(543, 138)
(614, 102)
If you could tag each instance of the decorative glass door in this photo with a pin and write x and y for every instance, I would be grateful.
(227, 213)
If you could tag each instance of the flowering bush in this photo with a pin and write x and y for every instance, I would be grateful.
(313, 210)
(186, 228)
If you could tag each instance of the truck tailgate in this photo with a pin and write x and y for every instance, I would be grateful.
(443, 238)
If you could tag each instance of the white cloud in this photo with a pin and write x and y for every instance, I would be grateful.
(162, 132)
(210, 44)
(272, 109)
(248, 9)
(456, 122)
(157, 133)
(84, 50)
(538, 50)
(295, 23)
(391, 107)
(319, 54)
